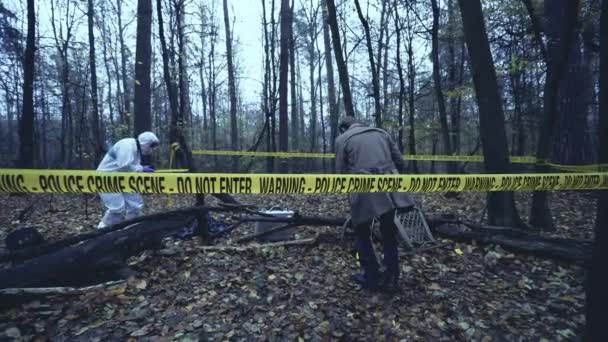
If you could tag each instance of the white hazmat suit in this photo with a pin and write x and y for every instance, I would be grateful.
(125, 156)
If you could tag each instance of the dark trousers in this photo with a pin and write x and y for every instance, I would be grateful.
(389, 244)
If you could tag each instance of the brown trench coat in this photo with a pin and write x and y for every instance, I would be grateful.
(368, 150)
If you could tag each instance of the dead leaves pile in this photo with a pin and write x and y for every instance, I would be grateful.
(460, 292)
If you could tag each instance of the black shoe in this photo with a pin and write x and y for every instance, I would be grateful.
(389, 284)
(368, 284)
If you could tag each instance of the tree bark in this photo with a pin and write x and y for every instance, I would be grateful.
(267, 88)
(26, 125)
(557, 56)
(95, 122)
(342, 67)
(443, 115)
(143, 56)
(411, 92)
(331, 86)
(501, 205)
(123, 65)
(596, 295)
(286, 25)
(401, 77)
(295, 124)
(313, 94)
(372, 63)
(231, 89)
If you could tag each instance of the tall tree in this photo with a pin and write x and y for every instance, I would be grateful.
(501, 205)
(411, 90)
(126, 87)
(295, 129)
(556, 55)
(63, 40)
(401, 76)
(143, 56)
(443, 116)
(286, 26)
(597, 297)
(332, 20)
(231, 88)
(26, 125)
(372, 63)
(97, 137)
(331, 86)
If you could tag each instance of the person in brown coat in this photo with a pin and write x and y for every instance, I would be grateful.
(366, 150)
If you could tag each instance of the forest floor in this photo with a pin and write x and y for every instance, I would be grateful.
(459, 292)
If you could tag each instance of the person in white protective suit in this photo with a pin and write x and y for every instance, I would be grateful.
(125, 156)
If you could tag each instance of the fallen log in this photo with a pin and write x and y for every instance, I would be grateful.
(100, 258)
(178, 214)
(300, 242)
(520, 241)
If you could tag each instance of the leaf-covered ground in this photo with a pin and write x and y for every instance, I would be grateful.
(460, 292)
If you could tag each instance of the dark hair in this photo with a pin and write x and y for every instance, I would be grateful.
(346, 122)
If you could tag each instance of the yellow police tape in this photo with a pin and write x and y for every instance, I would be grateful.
(78, 181)
(421, 157)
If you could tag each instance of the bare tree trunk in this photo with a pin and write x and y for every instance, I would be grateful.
(323, 125)
(295, 129)
(501, 205)
(283, 75)
(97, 135)
(273, 69)
(379, 57)
(557, 55)
(596, 295)
(342, 67)
(123, 64)
(331, 86)
(106, 59)
(411, 94)
(171, 91)
(313, 96)
(204, 89)
(401, 77)
(443, 116)
(374, 71)
(267, 87)
(231, 89)
(26, 125)
(143, 52)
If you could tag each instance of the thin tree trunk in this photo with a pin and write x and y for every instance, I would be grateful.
(374, 71)
(273, 105)
(123, 64)
(379, 57)
(323, 128)
(231, 89)
(313, 99)
(283, 75)
(501, 205)
(295, 129)
(26, 125)
(401, 77)
(411, 93)
(97, 135)
(267, 88)
(331, 86)
(342, 67)
(106, 60)
(443, 116)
